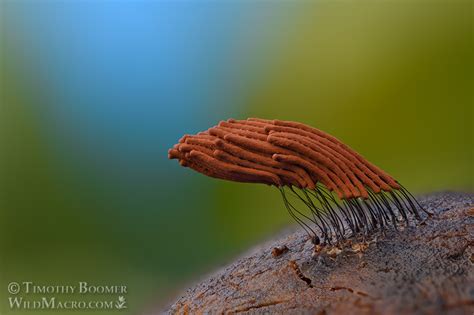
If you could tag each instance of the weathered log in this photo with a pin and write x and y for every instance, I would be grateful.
(424, 269)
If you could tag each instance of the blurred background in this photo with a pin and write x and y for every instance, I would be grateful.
(94, 93)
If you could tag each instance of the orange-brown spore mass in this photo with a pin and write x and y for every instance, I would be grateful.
(280, 153)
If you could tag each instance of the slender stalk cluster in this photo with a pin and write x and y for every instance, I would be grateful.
(341, 192)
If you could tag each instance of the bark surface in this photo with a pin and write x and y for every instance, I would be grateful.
(422, 269)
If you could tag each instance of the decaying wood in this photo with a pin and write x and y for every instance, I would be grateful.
(426, 269)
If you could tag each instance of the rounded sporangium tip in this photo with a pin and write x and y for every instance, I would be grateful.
(173, 154)
(268, 129)
(183, 138)
(219, 143)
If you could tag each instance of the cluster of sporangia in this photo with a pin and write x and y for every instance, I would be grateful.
(310, 163)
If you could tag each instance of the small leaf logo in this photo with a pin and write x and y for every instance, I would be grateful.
(121, 303)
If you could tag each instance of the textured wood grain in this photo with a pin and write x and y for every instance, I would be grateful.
(426, 269)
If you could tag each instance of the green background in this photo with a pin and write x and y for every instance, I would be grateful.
(392, 79)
